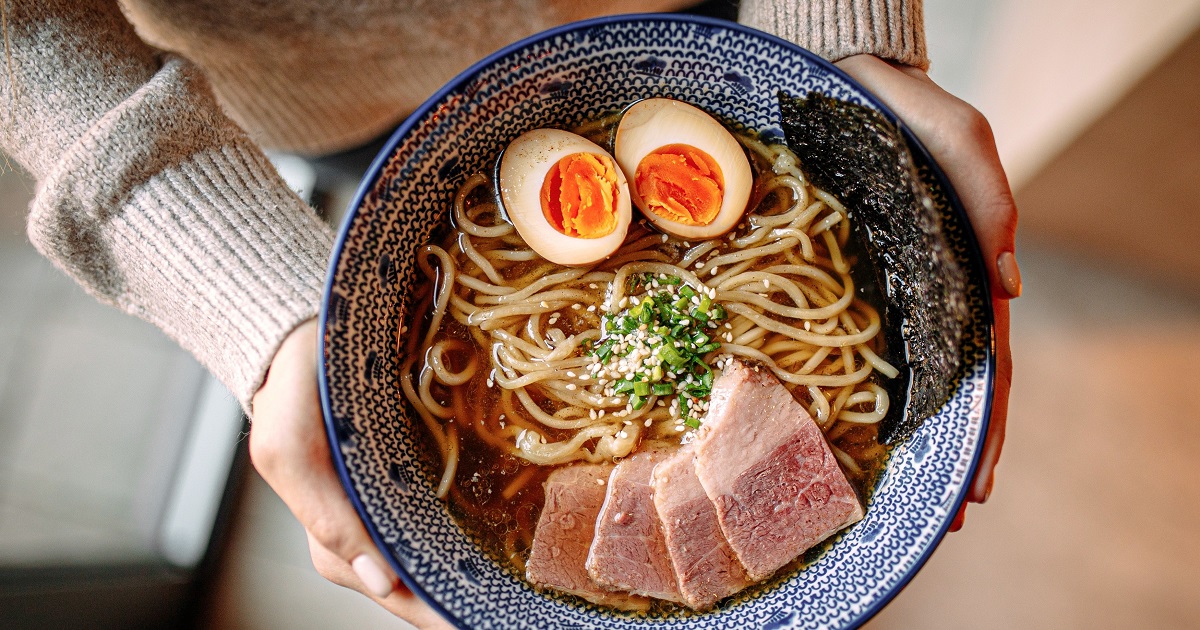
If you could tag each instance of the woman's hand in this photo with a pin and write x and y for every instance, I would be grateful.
(961, 141)
(289, 448)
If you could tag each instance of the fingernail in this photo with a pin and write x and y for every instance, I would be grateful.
(1010, 274)
(377, 581)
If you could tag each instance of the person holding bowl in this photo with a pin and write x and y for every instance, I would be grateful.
(144, 123)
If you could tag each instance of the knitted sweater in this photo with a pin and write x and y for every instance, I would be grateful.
(143, 125)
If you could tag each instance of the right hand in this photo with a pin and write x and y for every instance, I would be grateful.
(289, 449)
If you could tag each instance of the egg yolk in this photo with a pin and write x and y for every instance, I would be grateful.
(579, 196)
(680, 183)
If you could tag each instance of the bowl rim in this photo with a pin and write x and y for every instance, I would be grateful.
(370, 180)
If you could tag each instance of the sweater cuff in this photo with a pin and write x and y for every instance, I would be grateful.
(836, 29)
(167, 211)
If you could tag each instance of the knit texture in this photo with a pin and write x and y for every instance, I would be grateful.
(155, 202)
(836, 29)
(152, 191)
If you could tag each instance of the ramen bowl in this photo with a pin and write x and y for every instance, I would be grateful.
(560, 78)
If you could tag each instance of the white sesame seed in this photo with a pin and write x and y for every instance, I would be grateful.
(623, 303)
(665, 238)
(807, 325)
(591, 308)
(700, 264)
(600, 482)
(649, 421)
(592, 285)
(766, 283)
(576, 306)
(592, 414)
(572, 386)
(622, 435)
(714, 270)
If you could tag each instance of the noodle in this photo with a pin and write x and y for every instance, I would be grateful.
(782, 276)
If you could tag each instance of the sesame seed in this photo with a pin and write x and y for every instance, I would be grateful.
(543, 304)
(600, 482)
(700, 264)
(622, 435)
(766, 283)
(577, 306)
(592, 308)
(807, 325)
(592, 285)
(714, 270)
(572, 386)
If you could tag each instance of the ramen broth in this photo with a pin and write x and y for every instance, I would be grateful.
(496, 494)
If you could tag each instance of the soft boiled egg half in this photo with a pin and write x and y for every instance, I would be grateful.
(690, 177)
(565, 195)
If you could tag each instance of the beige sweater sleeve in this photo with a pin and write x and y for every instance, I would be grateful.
(148, 195)
(836, 29)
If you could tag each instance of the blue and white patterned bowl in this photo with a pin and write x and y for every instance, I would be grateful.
(560, 78)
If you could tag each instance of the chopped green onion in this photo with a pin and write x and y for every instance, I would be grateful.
(662, 389)
(671, 355)
(641, 389)
(637, 401)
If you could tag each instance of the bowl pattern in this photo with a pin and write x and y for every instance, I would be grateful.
(559, 79)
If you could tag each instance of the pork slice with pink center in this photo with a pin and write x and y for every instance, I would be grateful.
(706, 567)
(765, 464)
(629, 552)
(574, 495)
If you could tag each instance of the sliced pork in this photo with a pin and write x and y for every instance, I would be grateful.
(768, 470)
(574, 495)
(629, 552)
(706, 567)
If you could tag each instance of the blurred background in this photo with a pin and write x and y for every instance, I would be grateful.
(1095, 518)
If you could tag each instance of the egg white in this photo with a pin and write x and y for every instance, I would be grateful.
(657, 122)
(523, 169)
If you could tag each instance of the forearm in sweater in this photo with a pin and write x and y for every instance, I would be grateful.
(836, 29)
(148, 196)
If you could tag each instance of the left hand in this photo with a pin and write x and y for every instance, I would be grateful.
(289, 449)
(961, 141)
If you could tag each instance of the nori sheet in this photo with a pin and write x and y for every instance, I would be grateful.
(861, 157)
